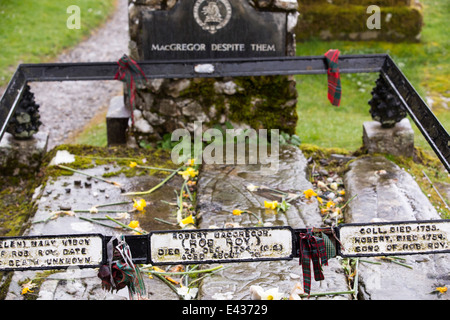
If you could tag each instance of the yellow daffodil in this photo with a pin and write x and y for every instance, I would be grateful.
(139, 205)
(133, 164)
(309, 193)
(270, 205)
(26, 288)
(188, 220)
(441, 289)
(237, 212)
(188, 173)
(320, 200)
(342, 192)
(191, 162)
(330, 204)
(134, 224)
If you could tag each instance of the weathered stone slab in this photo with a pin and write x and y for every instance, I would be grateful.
(223, 188)
(398, 140)
(387, 193)
(384, 192)
(79, 192)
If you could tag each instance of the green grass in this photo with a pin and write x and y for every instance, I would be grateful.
(425, 64)
(34, 31)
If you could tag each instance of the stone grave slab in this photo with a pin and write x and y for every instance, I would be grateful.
(223, 188)
(385, 192)
(79, 192)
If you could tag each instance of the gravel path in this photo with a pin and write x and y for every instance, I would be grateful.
(67, 106)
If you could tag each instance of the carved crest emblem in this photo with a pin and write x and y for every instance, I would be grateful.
(212, 15)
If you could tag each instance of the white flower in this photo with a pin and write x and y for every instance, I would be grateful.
(334, 186)
(93, 210)
(258, 293)
(321, 185)
(122, 215)
(252, 187)
(296, 291)
(187, 293)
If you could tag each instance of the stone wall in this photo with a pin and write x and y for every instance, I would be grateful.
(257, 102)
(401, 20)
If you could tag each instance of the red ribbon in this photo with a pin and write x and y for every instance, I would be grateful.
(312, 248)
(334, 78)
(128, 71)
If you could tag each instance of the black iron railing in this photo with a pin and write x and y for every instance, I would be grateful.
(405, 98)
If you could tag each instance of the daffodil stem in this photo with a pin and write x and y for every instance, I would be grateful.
(166, 222)
(125, 226)
(397, 262)
(184, 272)
(97, 222)
(99, 211)
(348, 201)
(89, 175)
(254, 215)
(171, 286)
(188, 191)
(368, 261)
(207, 275)
(332, 293)
(155, 168)
(112, 204)
(155, 187)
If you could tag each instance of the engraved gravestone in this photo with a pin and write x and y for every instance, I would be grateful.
(212, 29)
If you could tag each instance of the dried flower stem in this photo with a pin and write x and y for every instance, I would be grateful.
(155, 187)
(97, 222)
(99, 211)
(184, 272)
(125, 226)
(166, 222)
(155, 168)
(112, 204)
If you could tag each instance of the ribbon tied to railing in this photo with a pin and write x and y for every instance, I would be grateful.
(334, 78)
(313, 249)
(130, 72)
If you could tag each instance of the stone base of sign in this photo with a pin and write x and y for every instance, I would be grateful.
(398, 141)
(387, 193)
(117, 120)
(18, 157)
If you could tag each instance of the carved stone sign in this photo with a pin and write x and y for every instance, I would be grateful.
(200, 246)
(208, 29)
(221, 245)
(52, 252)
(397, 238)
